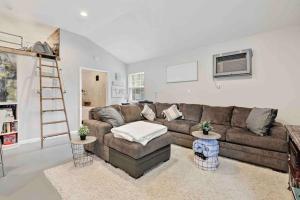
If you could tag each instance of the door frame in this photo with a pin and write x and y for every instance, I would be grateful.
(80, 87)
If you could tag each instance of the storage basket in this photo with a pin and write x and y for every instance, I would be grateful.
(208, 164)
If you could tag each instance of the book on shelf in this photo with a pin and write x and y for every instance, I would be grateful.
(9, 129)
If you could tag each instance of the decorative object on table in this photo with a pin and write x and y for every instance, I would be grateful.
(81, 157)
(206, 127)
(206, 150)
(8, 78)
(83, 131)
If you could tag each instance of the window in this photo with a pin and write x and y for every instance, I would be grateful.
(136, 90)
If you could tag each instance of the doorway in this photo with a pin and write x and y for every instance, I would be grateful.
(94, 84)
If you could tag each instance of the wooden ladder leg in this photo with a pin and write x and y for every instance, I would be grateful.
(63, 98)
(41, 103)
(2, 164)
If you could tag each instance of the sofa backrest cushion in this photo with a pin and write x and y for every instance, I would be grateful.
(260, 120)
(110, 115)
(160, 107)
(151, 105)
(93, 113)
(131, 113)
(239, 117)
(217, 115)
(192, 112)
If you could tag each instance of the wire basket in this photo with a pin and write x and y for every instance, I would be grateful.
(208, 164)
(81, 157)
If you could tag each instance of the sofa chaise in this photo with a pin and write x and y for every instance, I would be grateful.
(236, 140)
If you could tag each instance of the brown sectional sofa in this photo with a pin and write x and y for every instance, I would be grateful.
(236, 140)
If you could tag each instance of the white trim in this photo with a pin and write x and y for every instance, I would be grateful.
(80, 88)
(33, 140)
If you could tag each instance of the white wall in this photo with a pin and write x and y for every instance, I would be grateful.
(275, 82)
(76, 52)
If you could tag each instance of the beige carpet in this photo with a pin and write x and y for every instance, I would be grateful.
(177, 179)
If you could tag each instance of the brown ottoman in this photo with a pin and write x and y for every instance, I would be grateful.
(134, 158)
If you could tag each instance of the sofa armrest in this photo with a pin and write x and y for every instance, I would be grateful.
(98, 128)
(278, 131)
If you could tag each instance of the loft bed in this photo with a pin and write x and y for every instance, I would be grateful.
(53, 40)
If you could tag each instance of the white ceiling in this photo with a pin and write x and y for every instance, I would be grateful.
(135, 30)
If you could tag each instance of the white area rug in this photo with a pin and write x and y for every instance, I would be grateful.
(177, 179)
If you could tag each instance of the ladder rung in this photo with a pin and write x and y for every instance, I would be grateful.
(44, 65)
(55, 134)
(46, 76)
(52, 57)
(55, 98)
(55, 110)
(51, 87)
(54, 122)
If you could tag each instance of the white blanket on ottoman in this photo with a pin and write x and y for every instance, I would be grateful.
(140, 131)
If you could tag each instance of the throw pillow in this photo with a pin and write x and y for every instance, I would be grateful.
(260, 120)
(172, 113)
(148, 113)
(110, 115)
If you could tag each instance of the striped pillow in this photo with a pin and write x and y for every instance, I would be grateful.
(172, 113)
(148, 113)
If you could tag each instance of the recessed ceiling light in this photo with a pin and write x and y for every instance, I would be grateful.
(83, 14)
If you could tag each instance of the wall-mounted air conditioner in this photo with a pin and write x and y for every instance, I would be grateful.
(233, 63)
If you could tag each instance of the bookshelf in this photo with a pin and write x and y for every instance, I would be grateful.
(9, 130)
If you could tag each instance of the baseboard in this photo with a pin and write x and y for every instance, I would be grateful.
(33, 140)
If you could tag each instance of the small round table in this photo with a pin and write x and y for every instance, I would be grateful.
(81, 157)
(207, 142)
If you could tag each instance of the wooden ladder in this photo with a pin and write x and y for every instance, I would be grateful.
(43, 99)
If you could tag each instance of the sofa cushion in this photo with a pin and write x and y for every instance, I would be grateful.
(148, 113)
(181, 126)
(156, 121)
(137, 150)
(151, 105)
(110, 115)
(221, 129)
(172, 113)
(217, 115)
(98, 129)
(239, 117)
(192, 112)
(160, 107)
(260, 120)
(278, 131)
(131, 113)
(93, 114)
(245, 137)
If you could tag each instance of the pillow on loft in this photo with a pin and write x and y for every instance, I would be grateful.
(260, 120)
(172, 113)
(148, 113)
(110, 115)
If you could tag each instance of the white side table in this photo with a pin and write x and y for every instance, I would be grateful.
(209, 163)
(80, 156)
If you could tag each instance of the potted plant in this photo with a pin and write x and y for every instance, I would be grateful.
(206, 127)
(83, 131)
